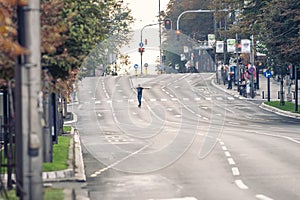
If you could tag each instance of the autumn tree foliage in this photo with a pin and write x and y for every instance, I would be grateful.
(69, 31)
(10, 48)
(195, 25)
(274, 23)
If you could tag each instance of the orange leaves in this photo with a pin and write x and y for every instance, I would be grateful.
(7, 32)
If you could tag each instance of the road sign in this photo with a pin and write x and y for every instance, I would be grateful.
(136, 66)
(268, 74)
(252, 69)
(146, 65)
(141, 44)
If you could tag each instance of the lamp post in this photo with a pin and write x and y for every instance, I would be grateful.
(141, 43)
(159, 27)
(195, 11)
(200, 11)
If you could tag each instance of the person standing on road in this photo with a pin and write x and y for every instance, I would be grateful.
(140, 93)
(230, 77)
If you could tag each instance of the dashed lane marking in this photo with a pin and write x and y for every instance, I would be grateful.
(231, 161)
(235, 171)
(227, 154)
(263, 197)
(241, 185)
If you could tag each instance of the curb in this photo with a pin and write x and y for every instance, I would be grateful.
(76, 171)
(279, 112)
(262, 106)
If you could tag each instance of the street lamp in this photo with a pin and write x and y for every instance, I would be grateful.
(200, 11)
(196, 11)
(141, 49)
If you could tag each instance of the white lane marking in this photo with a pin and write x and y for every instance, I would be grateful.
(208, 98)
(219, 98)
(93, 98)
(97, 102)
(163, 99)
(177, 116)
(263, 197)
(224, 148)
(109, 101)
(230, 98)
(174, 99)
(152, 99)
(119, 101)
(182, 198)
(185, 99)
(130, 100)
(171, 96)
(167, 92)
(222, 143)
(227, 154)
(99, 115)
(241, 185)
(118, 161)
(231, 161)
(272, 135)
(170, 109)
(233, 123)
(199, 115)
(197, 99)
(235, 171)
(205, 108)
(205, 118)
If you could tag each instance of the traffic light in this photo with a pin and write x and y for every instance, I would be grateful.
(141, 49)
(168, 24)
(178, 34)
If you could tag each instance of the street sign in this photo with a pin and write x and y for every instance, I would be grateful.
(252, 69)
(268, 74)
(141, 44)
(136, 66)
(146, 65)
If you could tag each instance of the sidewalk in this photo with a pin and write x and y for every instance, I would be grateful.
(261, 95)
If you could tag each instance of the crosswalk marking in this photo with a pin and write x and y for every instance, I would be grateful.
(96, 102)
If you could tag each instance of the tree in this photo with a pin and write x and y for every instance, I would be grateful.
(10, 48)
(195, 25)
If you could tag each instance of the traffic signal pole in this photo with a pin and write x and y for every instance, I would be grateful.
(29, 105)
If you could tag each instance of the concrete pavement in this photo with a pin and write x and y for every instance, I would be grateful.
(76, 170)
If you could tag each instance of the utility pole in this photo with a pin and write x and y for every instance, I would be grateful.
(141, 49)
(252, 65)
(159, 28)
(29, 154)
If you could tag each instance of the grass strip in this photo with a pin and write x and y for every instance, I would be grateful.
(60, 155)
(49, 194)
(289, 106)
(67, 129)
